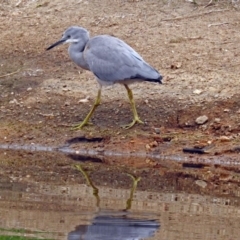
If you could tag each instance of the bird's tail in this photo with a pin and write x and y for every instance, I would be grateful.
(158, 79)
(146, 72)
(150, 74)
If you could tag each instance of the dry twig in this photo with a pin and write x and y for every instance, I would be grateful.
(209, 4)
(217, 24)
(9, 74)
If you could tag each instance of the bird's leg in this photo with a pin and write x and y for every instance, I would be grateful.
(96, 103)
(136, 118)
(134, 186)
(90, 183)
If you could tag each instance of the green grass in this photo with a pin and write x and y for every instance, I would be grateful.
(17, 238)
(13, 231)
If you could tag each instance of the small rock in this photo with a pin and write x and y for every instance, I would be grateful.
(217, 120)
(226, 177)
(201, 120)
(65, 89)
(201, 183)
(153, 144)
(176, 65)
(29, 89)
(189, 123)
(157, 130)
(147, 147)
(212, 89)
(84, 100)
(148, 160)
(226, 110)
(14, 101)
(225, 91)
(197, 91)
(224, 139)
(204, 127)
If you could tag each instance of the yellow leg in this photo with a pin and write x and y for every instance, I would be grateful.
(96, 103)
(90, 183)
(134, 186)
(136, 118)
(95, 189)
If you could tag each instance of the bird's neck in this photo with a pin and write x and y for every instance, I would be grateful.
(75, 51)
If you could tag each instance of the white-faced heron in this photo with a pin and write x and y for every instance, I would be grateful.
(111, 60)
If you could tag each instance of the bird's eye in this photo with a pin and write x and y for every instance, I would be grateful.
(68, 36)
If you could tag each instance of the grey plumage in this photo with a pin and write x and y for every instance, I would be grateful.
(110, 59)
(115, 228)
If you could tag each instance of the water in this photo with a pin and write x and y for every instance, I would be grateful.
(44, 196)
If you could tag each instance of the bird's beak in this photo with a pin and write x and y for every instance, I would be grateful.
(63, 40)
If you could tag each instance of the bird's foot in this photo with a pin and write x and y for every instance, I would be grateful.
(81, 125)
(135, 120)
(135, 179)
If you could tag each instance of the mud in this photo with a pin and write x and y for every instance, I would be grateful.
(194, 46)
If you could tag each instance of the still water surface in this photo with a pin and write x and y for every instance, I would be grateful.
(88, 211)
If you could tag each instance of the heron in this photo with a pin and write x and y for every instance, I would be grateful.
(114, 224)
(111, 60)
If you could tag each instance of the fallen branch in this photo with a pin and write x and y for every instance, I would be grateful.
(9, 74)
(194, 16)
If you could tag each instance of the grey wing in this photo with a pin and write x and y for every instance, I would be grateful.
(112, 60)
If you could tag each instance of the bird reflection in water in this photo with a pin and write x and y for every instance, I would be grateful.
(114, 225)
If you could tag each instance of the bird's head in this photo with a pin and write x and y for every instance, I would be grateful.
(71, 35)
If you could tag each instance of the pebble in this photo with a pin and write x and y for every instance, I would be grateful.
(157, 130)
(212, 89)
(148, 147)
(65, 89)
(197, 91)
(84, 100)
(201, 183)
(201, 120)
(14, 101)
(224, 139)
(153, 144)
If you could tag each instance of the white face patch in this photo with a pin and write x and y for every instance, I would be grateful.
(71, 41)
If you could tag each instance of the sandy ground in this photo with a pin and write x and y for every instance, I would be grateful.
(196, 48)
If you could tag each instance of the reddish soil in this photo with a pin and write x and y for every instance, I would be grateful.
(196, 47)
